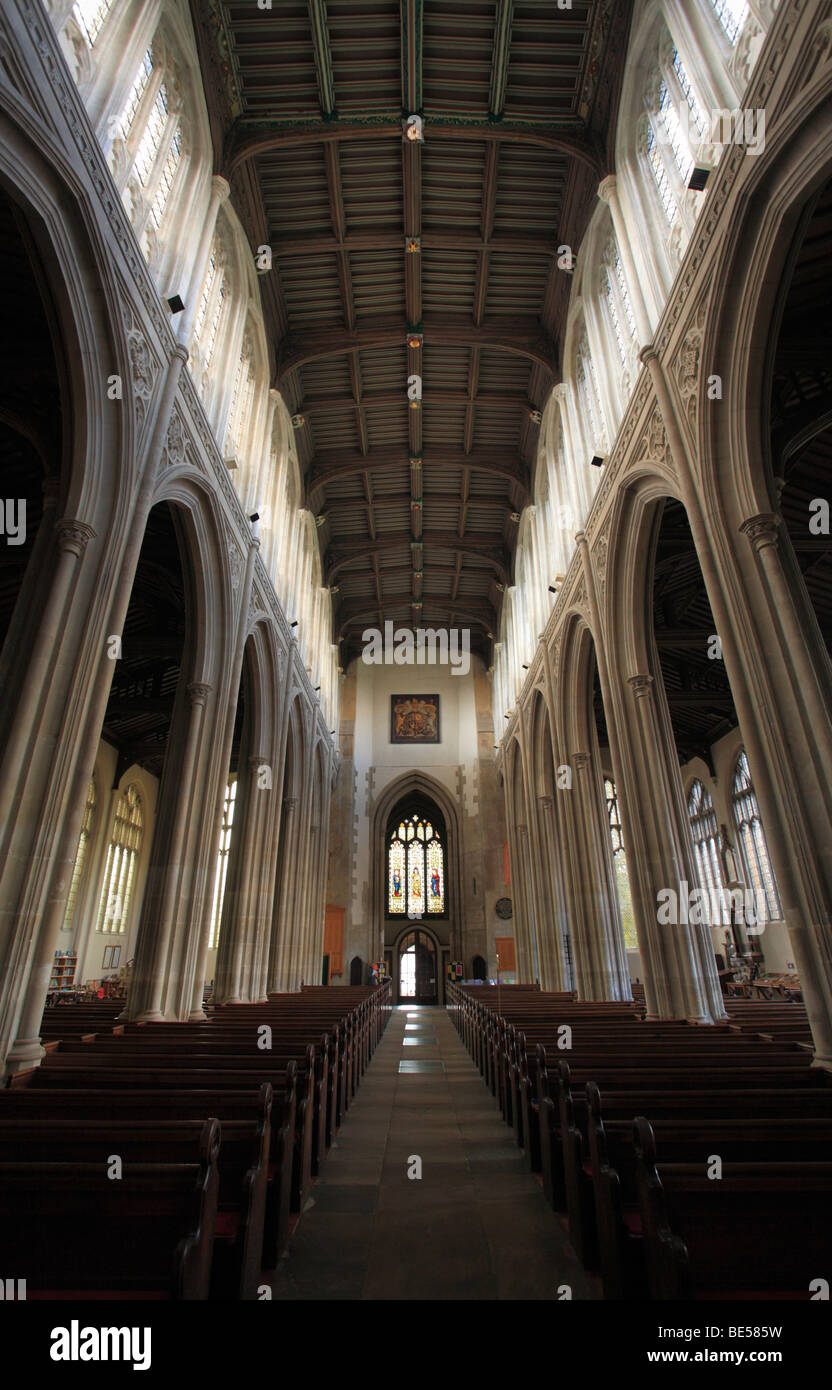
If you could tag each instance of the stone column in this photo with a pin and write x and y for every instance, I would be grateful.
(27, 964)
(532, 948)
(311, 964)
(264, 901)
(223, 757)
(153, 948)
(551, 893)
(678, 958)
(603, 941)
(798, 831)
(283, 902)
(298, 933)
(72, 538)
(235, 958)
(762, 533)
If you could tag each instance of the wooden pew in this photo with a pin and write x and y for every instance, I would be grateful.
(93, 1072)
(765, 1229)
(243, 1168)
(683, 1138)
(252, 1107)
(69, 1230)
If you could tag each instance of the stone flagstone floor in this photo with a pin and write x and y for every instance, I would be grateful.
(474, 1226)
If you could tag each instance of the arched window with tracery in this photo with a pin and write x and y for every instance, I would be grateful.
(211, 311)
(91, 16)
(122, 863)
(149, 143)
(617, 301)
(751, 838)
(673, 129)
(415, 866)
(242, 401)
(221, 870)
(619, 863)
(80, 857)
(589, 397)
(706, 846)
(732, 15)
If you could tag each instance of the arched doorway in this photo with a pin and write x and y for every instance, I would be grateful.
(416, 975)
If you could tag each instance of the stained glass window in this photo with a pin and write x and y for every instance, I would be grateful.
(396, 886)
(415, 877)
(436, 878)
(752, 839)
(415, 868)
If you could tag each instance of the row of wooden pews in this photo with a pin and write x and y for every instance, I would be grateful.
(685, 1162)
(172, 1160)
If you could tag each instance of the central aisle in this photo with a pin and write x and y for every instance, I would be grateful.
(475, 1225)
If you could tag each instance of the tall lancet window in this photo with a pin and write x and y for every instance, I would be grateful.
(589, 396)
(221, 870)
(705, 834)
(619, 863)
(759, 874)
(415, 868)
(676, 125)
(122, 861)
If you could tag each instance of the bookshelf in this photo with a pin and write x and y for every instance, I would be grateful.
(63, 969)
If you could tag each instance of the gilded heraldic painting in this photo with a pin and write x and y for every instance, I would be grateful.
(414, 718)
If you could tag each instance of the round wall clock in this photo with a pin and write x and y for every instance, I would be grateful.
(502, 907)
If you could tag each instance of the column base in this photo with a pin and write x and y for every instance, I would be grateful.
(822, 1062)
(197, 1016)
(24, 1055)
(149, 1016)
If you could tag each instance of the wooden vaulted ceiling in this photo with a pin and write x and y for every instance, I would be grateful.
(395, 258)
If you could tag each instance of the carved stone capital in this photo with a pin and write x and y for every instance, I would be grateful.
(607, 188)
(220, 187)
(761, 530)
(73, 536)
(647, 354)
(258, 760)
(640, 686)
(545, 803)
(581, 761)
(198, 692)
(290, 805)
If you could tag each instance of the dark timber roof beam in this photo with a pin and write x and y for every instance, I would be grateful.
(500, 58)
(524, 336)
(490, 549)
(322, 470)
(323, 59)
(249, 139)
(411, 50)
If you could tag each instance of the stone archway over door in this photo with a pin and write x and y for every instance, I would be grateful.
(417, 959)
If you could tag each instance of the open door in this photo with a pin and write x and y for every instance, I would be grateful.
(417, 969)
